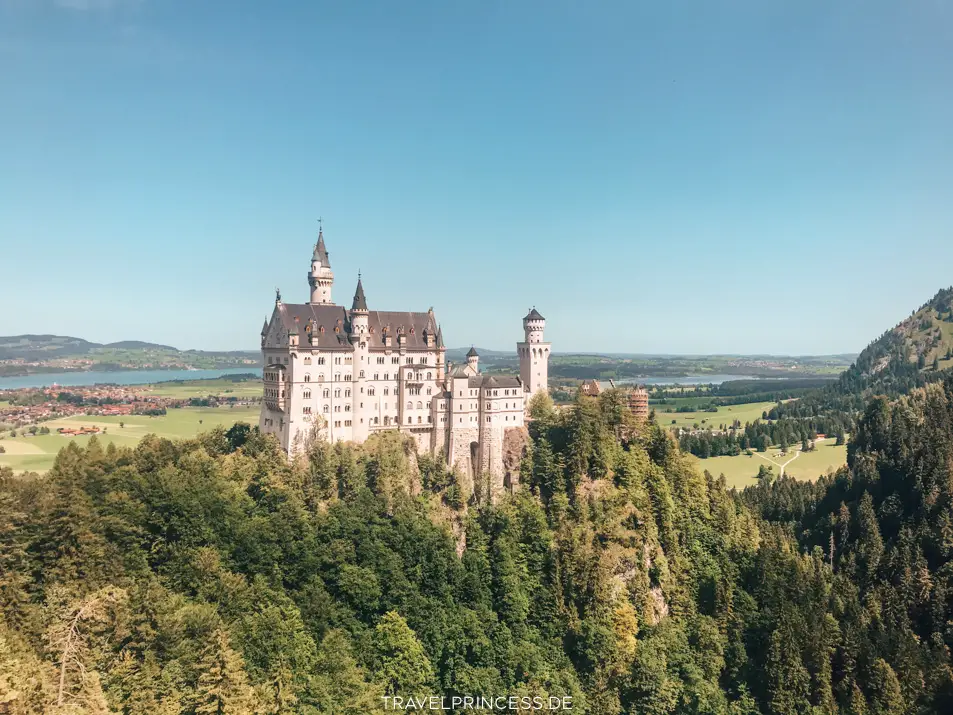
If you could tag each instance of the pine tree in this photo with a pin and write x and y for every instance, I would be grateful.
(222, 687)
(399, 658)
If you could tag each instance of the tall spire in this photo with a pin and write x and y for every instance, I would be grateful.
(360, 302)
(320, 252)
(439, 337)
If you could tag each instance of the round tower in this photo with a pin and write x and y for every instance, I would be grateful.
(361, 409)
(320, 278)
(534, 353)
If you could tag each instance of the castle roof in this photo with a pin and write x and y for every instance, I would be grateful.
(534, 315)
(320, 252)
(336, 321)
(264, 328)
(473, 352)
(439, 337)
(491, 381)
(360, 302)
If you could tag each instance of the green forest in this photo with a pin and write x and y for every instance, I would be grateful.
(212, 576)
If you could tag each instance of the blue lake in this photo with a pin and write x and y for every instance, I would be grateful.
(129, 377)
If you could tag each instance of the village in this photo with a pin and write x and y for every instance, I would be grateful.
(30, 406)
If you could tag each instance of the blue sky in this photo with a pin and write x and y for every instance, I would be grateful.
(682, 177)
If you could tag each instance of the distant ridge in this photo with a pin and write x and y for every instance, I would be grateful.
(137, 345)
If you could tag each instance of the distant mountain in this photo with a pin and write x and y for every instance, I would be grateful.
(460, 354)
(137, 345)
(42, 347)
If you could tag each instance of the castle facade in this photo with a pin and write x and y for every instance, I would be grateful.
(343, 374)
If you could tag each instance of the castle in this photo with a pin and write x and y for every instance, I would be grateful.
(341, 375)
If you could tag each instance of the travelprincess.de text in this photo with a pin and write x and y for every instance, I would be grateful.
(512, 703)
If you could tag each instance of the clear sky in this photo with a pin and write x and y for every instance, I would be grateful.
(681, 177)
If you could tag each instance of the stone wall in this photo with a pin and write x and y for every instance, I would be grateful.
(459, 456)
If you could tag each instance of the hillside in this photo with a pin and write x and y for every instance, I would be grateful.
(26, 354)
(904, 356)
(42, 347)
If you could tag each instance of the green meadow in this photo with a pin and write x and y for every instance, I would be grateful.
(185, 389)
(742, 471)
(37, 453)
(726, 414)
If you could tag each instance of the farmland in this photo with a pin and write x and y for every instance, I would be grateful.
(37, 453)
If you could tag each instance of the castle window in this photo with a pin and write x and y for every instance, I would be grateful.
(487, 419)
(361, 374)
(347, 408)
(326, 393)
(337, 408)
(320, 361)
(325, 409)
(376, 376)
(380, 361)
(370, 391)
(410, 405)
(429, 390)
(320, 377)
(307, 361)
(347, 378)
(386, 392)
(306, 410)
(307, 394)
(377, 420)
(429, 418)
(307, 377)
(387, 376)
(419, 419)
(395, 360)
(337, 423)
(420, 405)
(337, 361)
(347, 393)
(428, 375)
(347, 423)
(409, 419)
(337, 393)
(337, 377)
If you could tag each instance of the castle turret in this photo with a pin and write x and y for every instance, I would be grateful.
(320, 278)
(473, 360)
(534, 353)
(359, 314)
(441, 354)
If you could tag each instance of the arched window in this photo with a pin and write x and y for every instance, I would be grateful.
(420, 405)
(320, 361)
(370, 391)
(325, 409)
(307, 377)
(320, 377)
(307, 394)
(419, 419)
(410, 405)
(362, 373)
(386, 420)
(409, 419)
(428, 375)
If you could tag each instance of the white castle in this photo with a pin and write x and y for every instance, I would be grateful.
(342, 374)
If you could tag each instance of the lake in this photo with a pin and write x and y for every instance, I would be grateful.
(128, 377)
(686, 380)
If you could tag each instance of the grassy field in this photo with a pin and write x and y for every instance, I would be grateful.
(741, 471)
(37, 453)
(184, 389)
(726, 414)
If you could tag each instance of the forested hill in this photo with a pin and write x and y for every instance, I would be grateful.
(899, 358)
(211, 576)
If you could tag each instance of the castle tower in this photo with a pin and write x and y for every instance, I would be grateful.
(534, 354)
(441, 355)
(473, 360)
(320, 278)
(359, 335)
